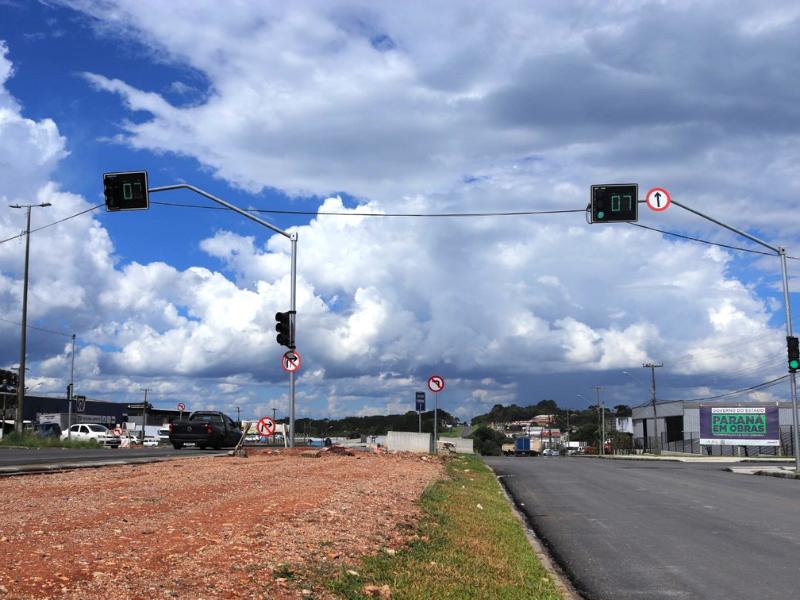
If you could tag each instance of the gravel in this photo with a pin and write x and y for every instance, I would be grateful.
(209, 527)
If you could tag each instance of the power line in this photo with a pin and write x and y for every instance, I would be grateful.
(68, 335)
(78, 214)
(517, 213)
(753, 388)
(702, 241)
(465, 214)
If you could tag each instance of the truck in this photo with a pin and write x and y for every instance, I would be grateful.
(520, 447)
(205, 429)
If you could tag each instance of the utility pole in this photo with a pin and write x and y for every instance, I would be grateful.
(653, 367)
(238, 415)
(597, 389)
(71, 389)
(144, 412)
(24, 331)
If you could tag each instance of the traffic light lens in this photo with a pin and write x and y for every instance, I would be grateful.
(794, 364)
(601, 215)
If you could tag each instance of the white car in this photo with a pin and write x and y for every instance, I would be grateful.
(92, 431)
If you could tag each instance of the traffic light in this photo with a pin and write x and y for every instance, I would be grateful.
(615, 202)
(126, 191)
(794, 353)
(284, 325)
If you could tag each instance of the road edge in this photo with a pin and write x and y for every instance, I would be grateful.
(560, 578)
(66, 466)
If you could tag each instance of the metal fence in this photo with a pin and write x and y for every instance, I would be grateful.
(690, 444)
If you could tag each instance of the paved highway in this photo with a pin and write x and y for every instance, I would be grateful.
(650, 530)
(22, 457)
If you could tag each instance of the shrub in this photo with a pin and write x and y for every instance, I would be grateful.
(487, 441)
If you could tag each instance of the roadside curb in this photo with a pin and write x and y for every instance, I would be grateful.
(71, 466)
(560, 578)
(695, 459)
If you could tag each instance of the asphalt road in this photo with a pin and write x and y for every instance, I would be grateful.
(21, 457)
(651, 530)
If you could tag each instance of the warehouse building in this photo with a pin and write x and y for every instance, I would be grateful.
(678, 428)
(41, 409)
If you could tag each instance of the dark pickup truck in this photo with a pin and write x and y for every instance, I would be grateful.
(205, 429)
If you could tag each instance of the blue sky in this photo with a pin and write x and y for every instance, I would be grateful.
(367, 108)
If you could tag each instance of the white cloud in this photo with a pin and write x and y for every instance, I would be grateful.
(376, 102)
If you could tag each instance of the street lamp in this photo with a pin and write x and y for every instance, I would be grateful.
(24, 332)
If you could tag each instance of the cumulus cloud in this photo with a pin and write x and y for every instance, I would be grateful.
(376, 102)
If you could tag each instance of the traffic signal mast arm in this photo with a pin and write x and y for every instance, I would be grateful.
(293, 290)
(781, 252)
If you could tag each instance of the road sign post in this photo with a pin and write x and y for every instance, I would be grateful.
(181, 407)
(436, 385)
(420, 407)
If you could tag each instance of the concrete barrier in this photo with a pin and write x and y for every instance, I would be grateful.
(407, 441)
(460, 445)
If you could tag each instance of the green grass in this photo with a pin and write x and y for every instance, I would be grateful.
(34, 441)
(457, 431)
(463, 551)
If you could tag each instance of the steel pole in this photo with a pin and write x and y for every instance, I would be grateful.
(24, 331)
(602, 421)
(435, 422)
(792, 376)
(293, 309)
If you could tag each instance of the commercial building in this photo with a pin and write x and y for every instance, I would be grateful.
(41, 409)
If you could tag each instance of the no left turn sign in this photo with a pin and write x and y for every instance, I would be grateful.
(436, 383)
(658, 199)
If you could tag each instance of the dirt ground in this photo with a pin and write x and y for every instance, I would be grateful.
(209, 527)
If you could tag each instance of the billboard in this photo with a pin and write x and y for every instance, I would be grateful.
(739, 426)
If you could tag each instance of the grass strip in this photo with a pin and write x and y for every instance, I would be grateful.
(470, 545)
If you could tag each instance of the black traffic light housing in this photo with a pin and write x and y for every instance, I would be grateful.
(615, 202)
(284, 325)
(793, 346)
(126, 191)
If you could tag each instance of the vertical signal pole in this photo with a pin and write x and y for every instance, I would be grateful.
(792, 375)
(293, 313)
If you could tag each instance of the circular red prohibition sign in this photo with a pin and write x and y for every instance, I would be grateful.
(265, 427)
(436, 383)
(291, 361)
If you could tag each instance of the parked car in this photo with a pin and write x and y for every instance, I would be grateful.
(205, 429)
(47, 430)
(150, 441)
(92, 431)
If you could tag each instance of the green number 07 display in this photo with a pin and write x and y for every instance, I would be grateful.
(615, 202)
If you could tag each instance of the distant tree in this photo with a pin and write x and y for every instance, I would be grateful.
(623, 410)
(487, 441)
